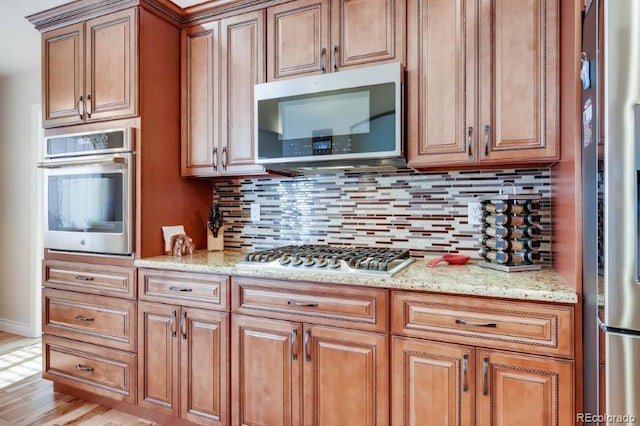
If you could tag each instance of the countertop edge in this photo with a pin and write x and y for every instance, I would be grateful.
(224, 264)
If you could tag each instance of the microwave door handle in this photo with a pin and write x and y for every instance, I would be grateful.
(80, 161)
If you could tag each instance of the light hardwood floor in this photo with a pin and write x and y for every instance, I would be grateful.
(27, 399)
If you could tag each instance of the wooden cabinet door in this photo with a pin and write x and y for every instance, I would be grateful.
(441, 83)
(63, 76)
(200, 72)
(519, 81)
(346, 376)
(204, 368)
(366, 31)
(433, 383)
(516, 389)
(111, 57)
(297, 33)
(158, 368)
(266, 371)
(242, 50)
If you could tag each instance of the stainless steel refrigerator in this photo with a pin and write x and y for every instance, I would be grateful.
(611, 197)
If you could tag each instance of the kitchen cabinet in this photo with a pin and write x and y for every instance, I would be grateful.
(316, 374)
(483, 82)
(455, 361)
(90, 70)
(183, 362)
(267, 371)
(307, 37)
(523, 389)
(89, 328)
(433, 383)
(184, 350)
(221, 62)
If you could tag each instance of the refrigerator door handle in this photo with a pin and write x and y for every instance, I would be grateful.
(636, 142)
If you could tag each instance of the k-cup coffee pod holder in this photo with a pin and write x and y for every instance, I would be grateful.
(510, 240)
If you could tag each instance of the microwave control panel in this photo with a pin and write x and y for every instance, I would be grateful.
(318, 145)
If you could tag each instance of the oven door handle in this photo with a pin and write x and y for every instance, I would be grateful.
(82, 161)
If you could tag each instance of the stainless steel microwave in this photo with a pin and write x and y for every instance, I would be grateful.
(345, 118)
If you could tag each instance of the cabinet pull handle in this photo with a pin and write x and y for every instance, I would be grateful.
(465, 368)
(83, 278)
(172, 288)
(85, 319)
(335, 58)
(323, 53)
(215, 159)
(294, 336)
(88, 108)
(307, 355)
(183, 323)
(83, 368)
(485, 375)
(225, 157)
(487, 129)
(79, 104)
(469, 141)
(172, 323)
(302, 304)
(477, 324)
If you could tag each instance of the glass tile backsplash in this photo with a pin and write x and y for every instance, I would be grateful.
(423, 212)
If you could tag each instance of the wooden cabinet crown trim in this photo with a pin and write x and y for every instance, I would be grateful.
(83, 10)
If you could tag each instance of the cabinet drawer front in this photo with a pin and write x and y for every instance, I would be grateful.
(361, 308)
(104, 280)
(105, 372)
(94, 319)
(518, 326)
(188, 289)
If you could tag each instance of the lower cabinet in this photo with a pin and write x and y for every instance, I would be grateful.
(288, 373)
(515, 389)
(183, 362)
(91, 368)
(443, 384)
(433, 383)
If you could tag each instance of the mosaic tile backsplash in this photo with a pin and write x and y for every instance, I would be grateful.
(423, 212)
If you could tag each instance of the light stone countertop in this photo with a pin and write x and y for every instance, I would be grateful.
(545, 285)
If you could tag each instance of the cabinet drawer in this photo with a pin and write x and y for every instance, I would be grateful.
(116, 281)
(188, 289)
(360, 308)
(95, 319)
(513, 325)
(98, 370)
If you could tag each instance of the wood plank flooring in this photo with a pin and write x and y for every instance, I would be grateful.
(28, 399)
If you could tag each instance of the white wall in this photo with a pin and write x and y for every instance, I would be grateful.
(19, 233)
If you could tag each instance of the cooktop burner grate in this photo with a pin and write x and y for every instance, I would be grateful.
(319, 258)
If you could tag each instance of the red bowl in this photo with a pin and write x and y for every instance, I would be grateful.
(451, 259)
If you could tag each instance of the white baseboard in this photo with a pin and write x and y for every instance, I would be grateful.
(18, 328)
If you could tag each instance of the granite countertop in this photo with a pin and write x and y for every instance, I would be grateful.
(470, 279)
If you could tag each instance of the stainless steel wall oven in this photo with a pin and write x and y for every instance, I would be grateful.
(89, 192)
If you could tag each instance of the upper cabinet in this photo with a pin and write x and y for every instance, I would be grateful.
(482, 83)
(221, 62)
(90, 70)
(314, 36)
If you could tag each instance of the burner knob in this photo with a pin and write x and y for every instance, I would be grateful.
(335, 263)
(321, 263)
(285, 260)
(296, 261)
(309, 261)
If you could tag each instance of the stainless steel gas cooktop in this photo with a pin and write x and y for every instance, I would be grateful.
(321, 258)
